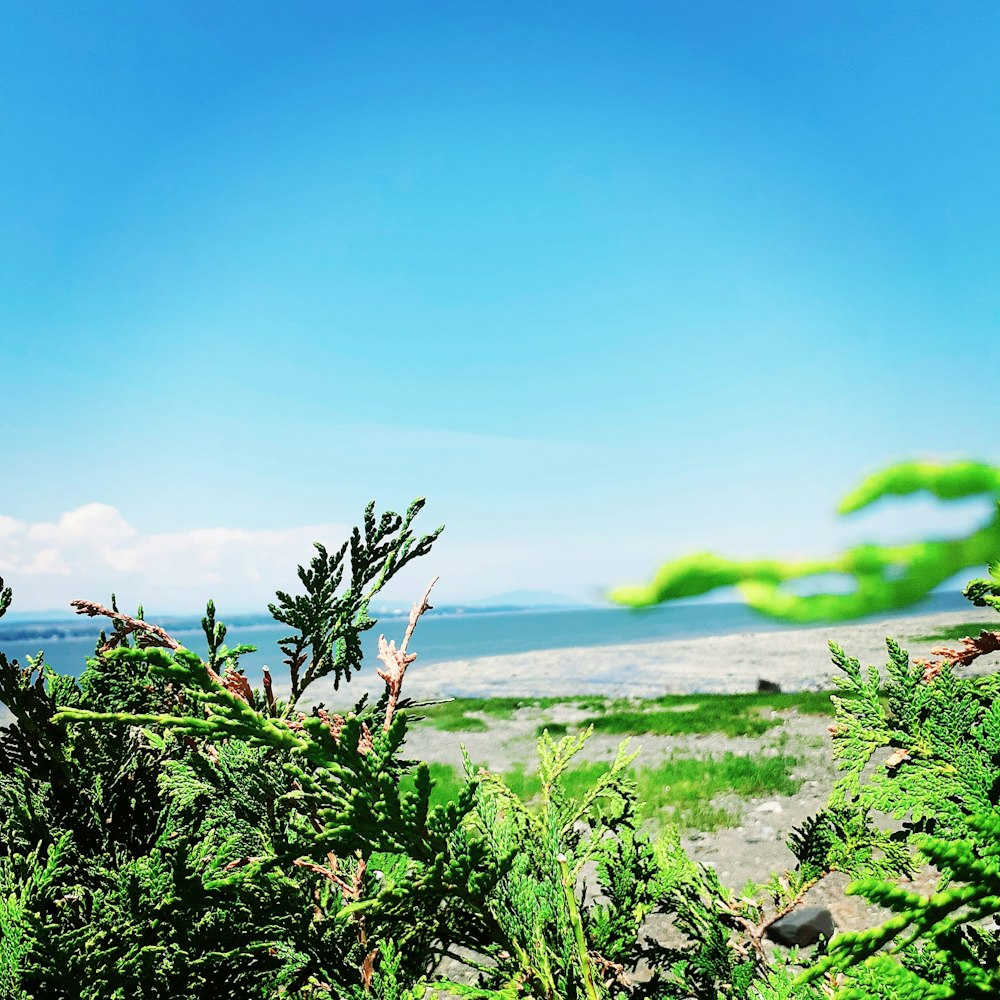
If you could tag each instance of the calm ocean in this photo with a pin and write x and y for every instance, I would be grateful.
(440, 635)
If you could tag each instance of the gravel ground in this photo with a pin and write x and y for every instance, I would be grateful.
(751, 850)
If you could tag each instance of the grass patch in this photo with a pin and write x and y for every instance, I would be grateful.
(729, 714)
(449, 717)
(554, 729)
(667, 723)
(955, 632)
(804, 702)
(681, 790)
(456, 716)
(668, 715)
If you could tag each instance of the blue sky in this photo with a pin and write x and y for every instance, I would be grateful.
(607, 283)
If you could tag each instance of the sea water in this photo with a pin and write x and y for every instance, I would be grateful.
(446, 634)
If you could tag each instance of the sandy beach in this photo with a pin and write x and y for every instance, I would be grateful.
(797, 660)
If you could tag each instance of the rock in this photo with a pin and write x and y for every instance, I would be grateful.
(764, 835)
(769, 807)
(767, 687)
(804, 925)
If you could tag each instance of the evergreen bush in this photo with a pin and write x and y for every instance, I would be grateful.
(168, 830)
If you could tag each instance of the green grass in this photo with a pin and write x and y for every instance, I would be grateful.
(955, 632)
(706, 718)
(678, 715)
(804, 702)
(729, 714)
(669, 715)
(456, 716)
(681, 790)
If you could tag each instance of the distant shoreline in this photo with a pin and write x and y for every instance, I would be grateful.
(56, 626)
(795, 659)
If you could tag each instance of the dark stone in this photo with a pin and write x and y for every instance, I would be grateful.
(804, 925)
(767, 687)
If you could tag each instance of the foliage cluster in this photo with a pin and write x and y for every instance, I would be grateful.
(680, 791)
(168, 830)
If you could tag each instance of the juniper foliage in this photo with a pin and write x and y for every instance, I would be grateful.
(925, 749)
(919, 743)
(167, 830)
(328, 626)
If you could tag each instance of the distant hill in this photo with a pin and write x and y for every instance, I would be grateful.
(527, 599)
(60, 615)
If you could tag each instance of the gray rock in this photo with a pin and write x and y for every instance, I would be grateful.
(769, 807)
(804, 925)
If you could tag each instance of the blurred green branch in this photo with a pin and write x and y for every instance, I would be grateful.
(887, 576)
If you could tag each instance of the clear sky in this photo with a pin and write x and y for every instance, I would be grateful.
(606, 282)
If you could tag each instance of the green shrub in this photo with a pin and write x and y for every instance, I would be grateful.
(166, 830)
(941, 776)
(170, 831)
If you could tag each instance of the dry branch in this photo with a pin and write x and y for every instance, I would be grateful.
(125, 625)
(397, 660)
(985, 642)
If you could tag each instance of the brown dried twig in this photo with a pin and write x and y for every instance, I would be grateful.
(330, 873)
(237, 684)
(368, 970)
(757, 931)
(269, 692)
(612, 972)
(147, 634)
(397, 660)
(125, 625)
(985, 642)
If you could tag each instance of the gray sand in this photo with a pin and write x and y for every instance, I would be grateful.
(798, 660)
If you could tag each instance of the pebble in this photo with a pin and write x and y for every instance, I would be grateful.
(770, 807)
(805, 925)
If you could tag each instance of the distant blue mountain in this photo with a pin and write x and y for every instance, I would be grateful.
(60, 615)
(527, 599)
(50, 625)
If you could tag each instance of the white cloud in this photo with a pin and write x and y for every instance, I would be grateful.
(91, 550)
(8, 526)
(93, 523)
(47, 562)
